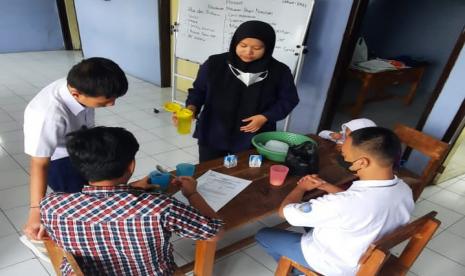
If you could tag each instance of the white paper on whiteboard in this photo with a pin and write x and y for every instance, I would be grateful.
(217, 189)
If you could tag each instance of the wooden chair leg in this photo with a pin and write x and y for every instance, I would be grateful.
(361, 97)
(204, 257)
(284, 267)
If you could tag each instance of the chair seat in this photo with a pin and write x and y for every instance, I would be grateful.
(392, 267)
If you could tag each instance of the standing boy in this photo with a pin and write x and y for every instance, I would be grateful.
(64, 106)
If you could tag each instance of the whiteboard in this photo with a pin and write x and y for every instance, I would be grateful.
(206, 26)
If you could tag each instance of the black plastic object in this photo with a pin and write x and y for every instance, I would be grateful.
(302, 159)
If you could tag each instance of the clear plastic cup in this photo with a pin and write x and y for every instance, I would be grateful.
(160, 178)
(185, 169)
(278, 174)
(184, 120)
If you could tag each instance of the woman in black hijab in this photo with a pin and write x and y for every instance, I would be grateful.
(241, 92)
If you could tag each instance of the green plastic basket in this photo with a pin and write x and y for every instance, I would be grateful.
(289, 138)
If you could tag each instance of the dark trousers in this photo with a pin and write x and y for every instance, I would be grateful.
(63, 177)
(206, 153)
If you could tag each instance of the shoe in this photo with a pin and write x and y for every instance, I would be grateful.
(38, 247)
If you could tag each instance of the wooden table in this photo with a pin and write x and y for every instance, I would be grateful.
(377, 81)
(259, 199)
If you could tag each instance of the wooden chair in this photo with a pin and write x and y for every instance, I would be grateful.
(435, 149)
(377, 260)
(56, 255)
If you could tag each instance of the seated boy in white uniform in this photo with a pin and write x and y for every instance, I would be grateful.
(344, 223)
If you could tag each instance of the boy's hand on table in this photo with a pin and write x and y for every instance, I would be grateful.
(144, 184)
(310, 182)
(255, 123)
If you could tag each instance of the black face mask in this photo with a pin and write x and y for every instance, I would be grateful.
(345, 164)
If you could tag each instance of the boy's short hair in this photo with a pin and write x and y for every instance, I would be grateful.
(97, 77)
(381, 143)
(101, 153)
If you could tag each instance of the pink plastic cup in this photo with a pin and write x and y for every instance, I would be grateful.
(278, 174)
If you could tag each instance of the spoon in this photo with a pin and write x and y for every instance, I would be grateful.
(163, 170)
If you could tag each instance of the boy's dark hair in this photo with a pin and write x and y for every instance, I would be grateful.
(380, 142)
(101, 153)
(97, 77)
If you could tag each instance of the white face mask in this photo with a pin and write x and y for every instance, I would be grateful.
(248, 78)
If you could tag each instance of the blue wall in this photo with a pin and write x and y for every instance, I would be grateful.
(124, 31)
(426, 29)
(29, 25)
(328, 24)
(444, 109)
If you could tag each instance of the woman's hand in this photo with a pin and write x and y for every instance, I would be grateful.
(255, 123)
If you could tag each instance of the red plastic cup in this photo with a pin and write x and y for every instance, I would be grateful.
(278, 174)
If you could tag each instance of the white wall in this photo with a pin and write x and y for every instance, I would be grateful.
(29, 25)
(444, 109)
(124, 31)
(326, 31)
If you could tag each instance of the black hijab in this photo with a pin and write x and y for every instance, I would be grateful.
(231, 99)
(253, 29)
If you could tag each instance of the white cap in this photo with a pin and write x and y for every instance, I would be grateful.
(357, 124)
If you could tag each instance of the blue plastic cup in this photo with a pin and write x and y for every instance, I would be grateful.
(161, 179)
(185, 169)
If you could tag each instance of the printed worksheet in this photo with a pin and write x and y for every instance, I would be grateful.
(217, 189)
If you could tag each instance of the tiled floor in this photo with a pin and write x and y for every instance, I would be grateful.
(24, 74)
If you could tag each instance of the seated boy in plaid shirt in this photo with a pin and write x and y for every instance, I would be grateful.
(111, 228)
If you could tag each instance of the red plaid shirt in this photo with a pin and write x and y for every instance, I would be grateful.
(120, 231)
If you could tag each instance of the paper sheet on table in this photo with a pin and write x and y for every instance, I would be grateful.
(217, 189)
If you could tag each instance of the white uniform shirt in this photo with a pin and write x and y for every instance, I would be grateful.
(49, 116)
(346, 223)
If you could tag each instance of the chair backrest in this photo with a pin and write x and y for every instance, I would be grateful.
(418, 232)
(56, 255)
(435, 149)
(377, 260)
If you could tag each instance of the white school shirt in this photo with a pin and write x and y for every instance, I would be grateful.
(346, 223)
(49, 116)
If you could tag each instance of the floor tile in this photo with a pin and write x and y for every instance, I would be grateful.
(185, 248)
(12, 135)
(13, 178)
(449, 200)
(458, 228)
(29, 267)
(7, 163)
(458, 187)
(448, 182)
(18, 216)
(13, 251)
(144, 166)
(10, 126)
(429, 191)
(446, 216)
(240, 264)
(235, 235)
(155, 147)
(48, 267)
(14, 147)
(182, 141)
(449, 245)
(257, 253)
(172, 158)
(5, 226)
(430, 263)
(14, 197)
